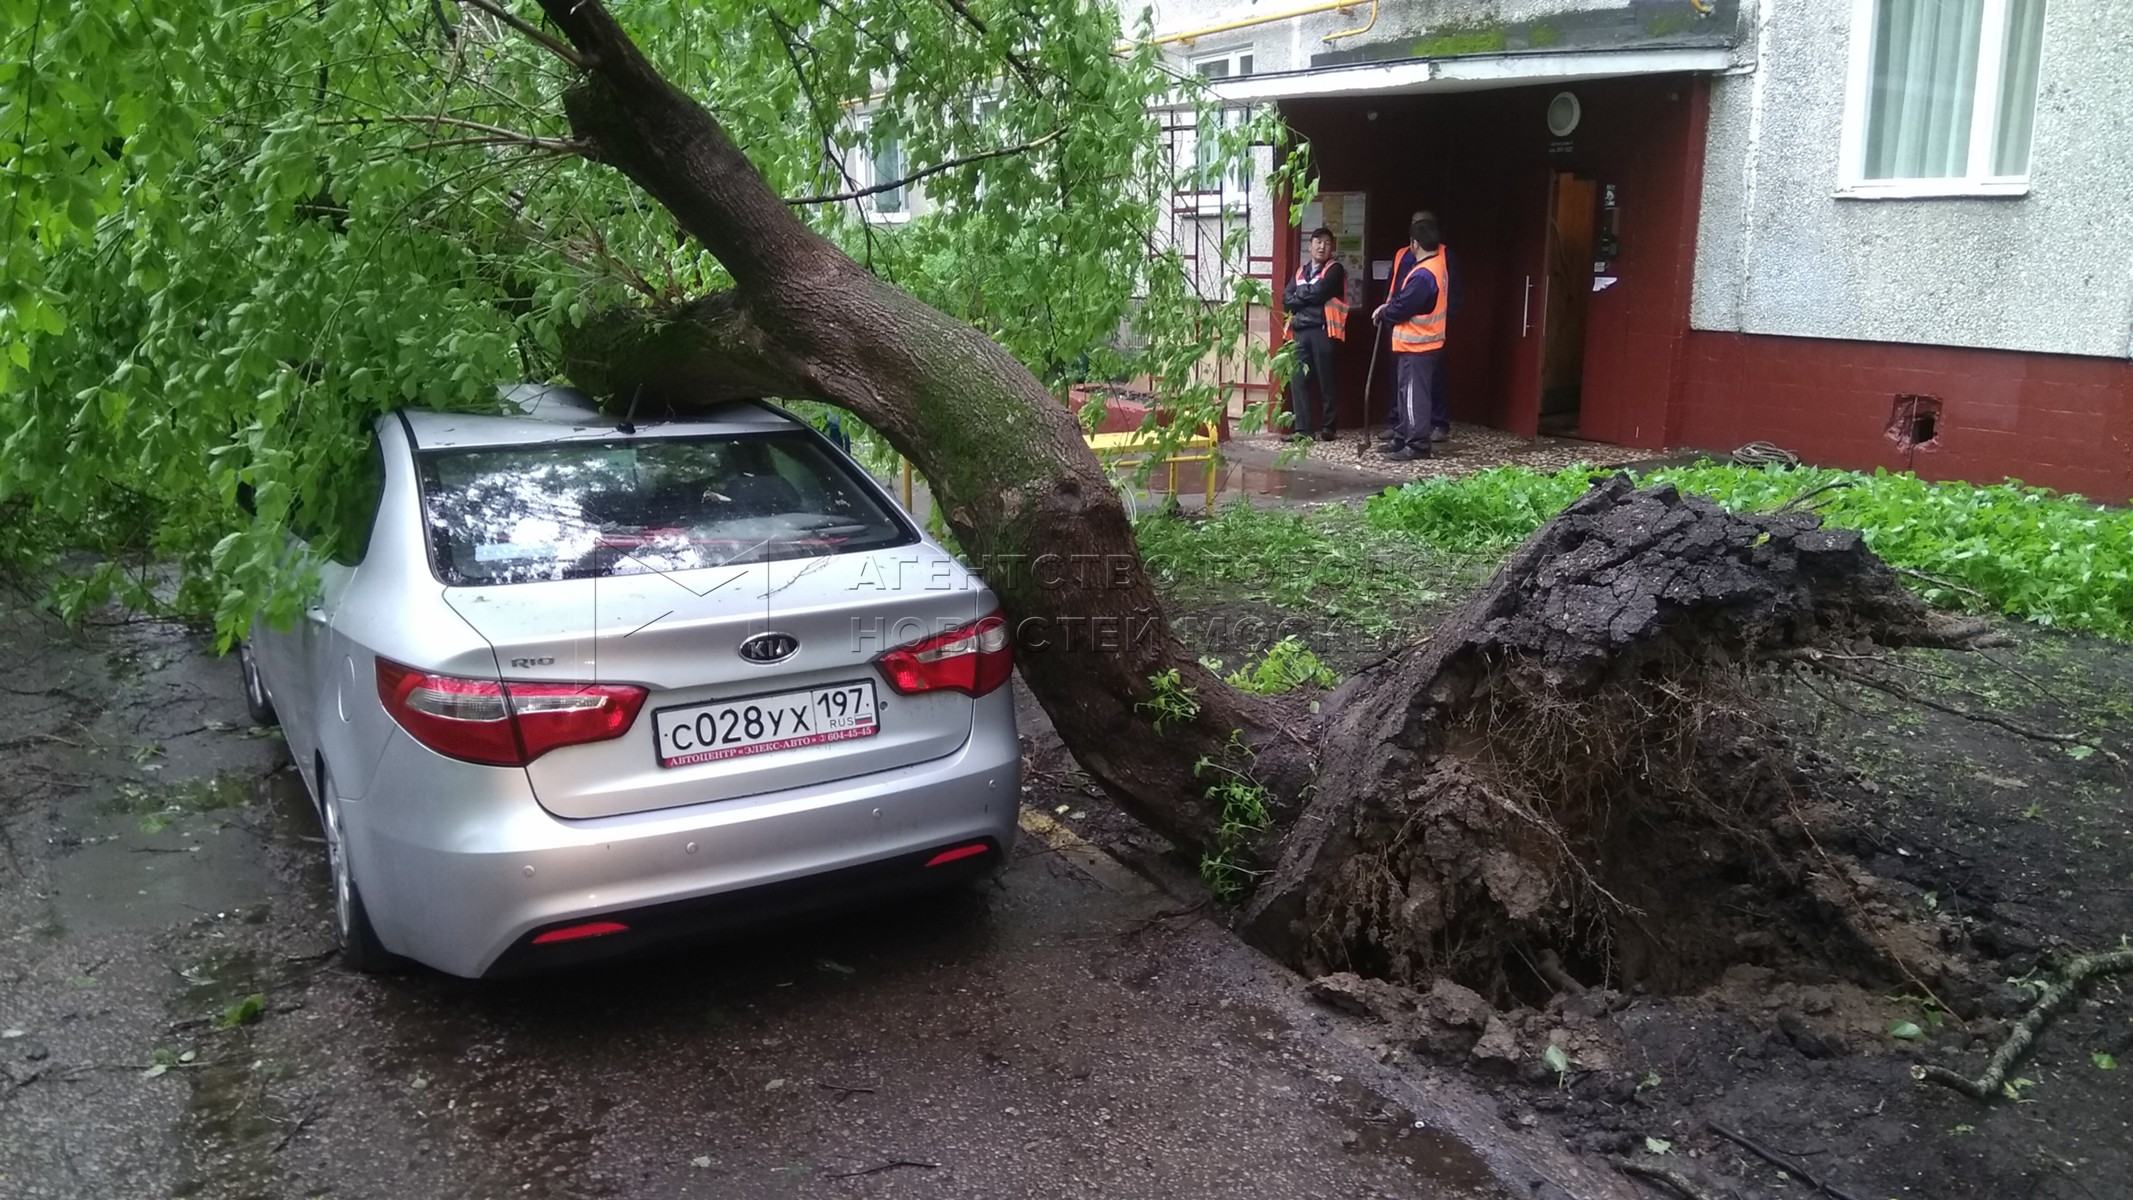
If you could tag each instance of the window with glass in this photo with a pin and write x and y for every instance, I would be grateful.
(885, 163)
(1944, 92)
(1208, 177)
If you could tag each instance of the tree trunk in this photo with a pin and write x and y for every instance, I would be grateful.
(1006, 463)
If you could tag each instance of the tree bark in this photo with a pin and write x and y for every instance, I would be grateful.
(1006, 463)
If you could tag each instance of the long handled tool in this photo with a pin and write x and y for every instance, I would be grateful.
(1369, 377)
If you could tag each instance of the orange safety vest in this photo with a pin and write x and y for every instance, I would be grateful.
(1400, 257)
(1336, 310)
(1424, 333)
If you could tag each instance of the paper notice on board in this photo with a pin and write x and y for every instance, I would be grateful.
(1381, 269)
(1314, 216)
(1601, 283)
(1352, 212)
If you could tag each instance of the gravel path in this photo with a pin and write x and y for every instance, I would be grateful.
(1470, 449)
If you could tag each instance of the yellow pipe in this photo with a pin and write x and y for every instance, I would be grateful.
(1370, 24)
(1264, 19)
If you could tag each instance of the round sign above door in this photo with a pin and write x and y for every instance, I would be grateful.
(1563, 114)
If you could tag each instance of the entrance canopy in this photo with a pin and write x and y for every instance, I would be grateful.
(1470, 73)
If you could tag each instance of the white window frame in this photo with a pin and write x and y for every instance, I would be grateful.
(1984, 117)
(867, 178)
(1236, 64)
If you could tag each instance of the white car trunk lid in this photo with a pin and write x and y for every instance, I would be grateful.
(679, 635)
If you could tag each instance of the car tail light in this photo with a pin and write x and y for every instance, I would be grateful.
(958, 854)
(503, 724)
(973, 659)
(571, 933)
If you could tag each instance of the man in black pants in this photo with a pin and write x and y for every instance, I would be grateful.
(1416, 312)
(1318, 316)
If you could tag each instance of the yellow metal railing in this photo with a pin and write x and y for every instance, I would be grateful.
(1203, 447)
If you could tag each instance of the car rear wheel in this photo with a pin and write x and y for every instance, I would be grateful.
(360, 947)
(256, 702)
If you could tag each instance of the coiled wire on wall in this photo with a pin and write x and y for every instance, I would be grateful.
(1764, 454)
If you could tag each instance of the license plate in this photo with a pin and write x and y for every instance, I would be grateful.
(704, 733)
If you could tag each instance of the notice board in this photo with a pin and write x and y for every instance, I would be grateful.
(1343, 213)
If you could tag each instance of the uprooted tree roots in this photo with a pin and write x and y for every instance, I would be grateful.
(1568, 784)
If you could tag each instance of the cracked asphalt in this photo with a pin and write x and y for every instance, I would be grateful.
(1068, 1029)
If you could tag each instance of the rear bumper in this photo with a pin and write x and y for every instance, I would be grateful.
(460, 868)
(761, 904)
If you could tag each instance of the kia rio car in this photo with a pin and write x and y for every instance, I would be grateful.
(590, 686)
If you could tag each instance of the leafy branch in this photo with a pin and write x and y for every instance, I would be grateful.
(929, 172)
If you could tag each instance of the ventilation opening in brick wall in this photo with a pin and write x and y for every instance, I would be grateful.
(1914, 422)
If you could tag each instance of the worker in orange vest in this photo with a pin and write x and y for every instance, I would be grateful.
(1441, 425)
(1421, 294)
(1317, 304)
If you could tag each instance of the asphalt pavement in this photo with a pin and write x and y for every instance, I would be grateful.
(173, 1022)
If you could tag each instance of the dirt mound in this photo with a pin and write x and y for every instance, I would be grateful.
(1570, 787)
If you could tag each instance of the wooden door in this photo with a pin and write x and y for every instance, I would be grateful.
(1573, 218)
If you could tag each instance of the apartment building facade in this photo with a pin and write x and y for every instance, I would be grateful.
(1874, 232)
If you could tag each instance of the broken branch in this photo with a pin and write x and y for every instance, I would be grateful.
(1029, 78)
(1821, 662)
(494, 135)
(1811, 493)
(1671, 1178)
(546, 41)
(1781, 1162)
(2025, 1032)
(878, 1168)
(935, 169)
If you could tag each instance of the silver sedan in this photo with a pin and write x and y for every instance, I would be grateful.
(590, 686)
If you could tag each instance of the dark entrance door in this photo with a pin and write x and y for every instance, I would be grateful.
(1573, 220)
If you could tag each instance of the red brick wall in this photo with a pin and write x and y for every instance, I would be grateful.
(2054, 420)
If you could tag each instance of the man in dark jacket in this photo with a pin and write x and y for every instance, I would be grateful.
(1440, 418)
(1416, 312)
(1317, 305)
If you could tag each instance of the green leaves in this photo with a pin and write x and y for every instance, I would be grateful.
(238, 230)
(1288, 665)
(245, 1011)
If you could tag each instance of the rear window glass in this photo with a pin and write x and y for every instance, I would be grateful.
(520, 514)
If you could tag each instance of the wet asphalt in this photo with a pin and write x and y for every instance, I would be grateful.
(173, 1023)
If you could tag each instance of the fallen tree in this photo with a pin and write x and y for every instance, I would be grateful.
(1554, 792)
(1561, 775)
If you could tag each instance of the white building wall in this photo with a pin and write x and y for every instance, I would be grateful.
(1778, 252)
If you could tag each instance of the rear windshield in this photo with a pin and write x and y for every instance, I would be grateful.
(520, 514)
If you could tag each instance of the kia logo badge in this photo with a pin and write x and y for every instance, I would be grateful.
(770, 647)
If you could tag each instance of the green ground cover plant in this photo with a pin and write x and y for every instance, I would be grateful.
(2054, 559)
(1329, 561)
